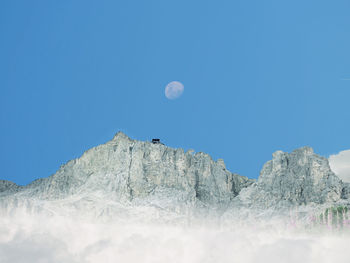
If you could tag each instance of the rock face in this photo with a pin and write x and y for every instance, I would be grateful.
(292, 179)
(135, 172)
(7, 187)
(123, 175)
(346, 191)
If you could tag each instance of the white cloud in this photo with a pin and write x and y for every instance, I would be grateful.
(33, 239)
(340, 165)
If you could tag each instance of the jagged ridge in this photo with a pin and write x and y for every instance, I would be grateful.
(125, 172)
(137, 173)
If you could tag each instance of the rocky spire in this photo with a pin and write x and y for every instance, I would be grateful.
(297, 178)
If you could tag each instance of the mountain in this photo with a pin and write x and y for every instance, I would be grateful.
(294, 179)
(122, 174)
(126, 177)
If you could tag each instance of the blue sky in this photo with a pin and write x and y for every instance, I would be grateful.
(259, 76)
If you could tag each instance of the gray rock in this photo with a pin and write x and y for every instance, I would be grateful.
(126, 177)
(133, 172)
(346, 191)
(291, 179)
(7, 187)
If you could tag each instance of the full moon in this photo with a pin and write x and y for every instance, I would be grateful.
(174, 90)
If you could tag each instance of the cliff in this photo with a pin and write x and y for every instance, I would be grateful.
(124, 175)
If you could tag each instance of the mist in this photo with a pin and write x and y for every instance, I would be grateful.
(31, 238)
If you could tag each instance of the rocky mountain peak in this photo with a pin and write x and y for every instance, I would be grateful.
(129, 171)
(297, 178)
(126, 172)
(120, 136)
(305, 150)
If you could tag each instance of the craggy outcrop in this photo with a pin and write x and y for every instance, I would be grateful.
(125, 176)
(134, 172)
(293, 179)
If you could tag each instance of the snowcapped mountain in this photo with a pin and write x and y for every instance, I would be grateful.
(126, 177)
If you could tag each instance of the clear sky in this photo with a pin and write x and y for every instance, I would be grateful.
(259, 76)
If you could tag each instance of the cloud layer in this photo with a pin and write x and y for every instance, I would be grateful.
(36, 239)
(340, 165)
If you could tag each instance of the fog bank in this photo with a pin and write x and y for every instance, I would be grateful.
(36, 239)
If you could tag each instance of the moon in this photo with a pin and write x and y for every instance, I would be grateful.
(174, 90)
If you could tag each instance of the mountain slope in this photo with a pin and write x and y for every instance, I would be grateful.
(136, 173)
(129, 177)
(294, 179)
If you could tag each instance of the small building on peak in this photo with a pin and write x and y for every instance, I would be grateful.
(156, 141)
